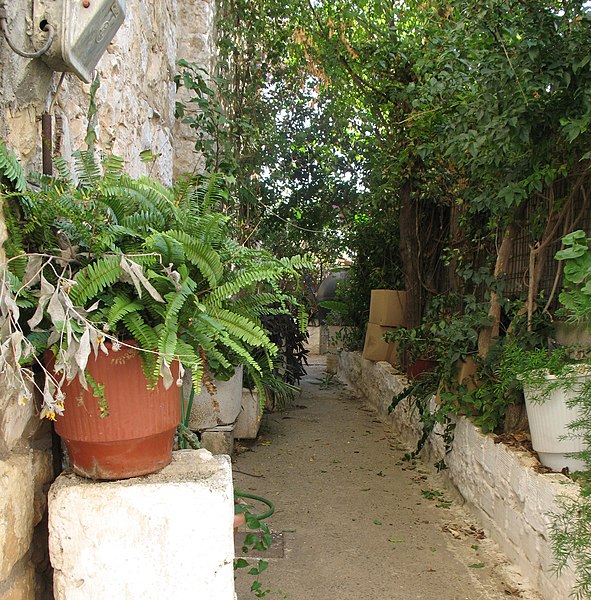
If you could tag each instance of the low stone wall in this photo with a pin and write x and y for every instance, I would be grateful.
(499, 483)
(25, 475)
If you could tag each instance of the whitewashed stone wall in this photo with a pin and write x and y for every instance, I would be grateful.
(136, 103)
(500, 485)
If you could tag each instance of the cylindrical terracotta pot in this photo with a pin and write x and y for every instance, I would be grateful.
(137, 435)
(420, 366)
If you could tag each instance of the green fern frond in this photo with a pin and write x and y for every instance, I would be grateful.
(11, 169)
(210, 192)
(244, 329)
(154, 196)
(167, 343)
(94, 278)
(14, 243)
(197, 377)
(202, 333)
(168, 332)
(171, 250)
(62, 168)
(116, 201)
(141, 331)
(145, 221)
(16, 270)
(187, 355)
(122, 305)
(146, 199)
(254, 304)
(86, 167)
(202, 255)
(176, 300)
(302, 317)
(241, 280)
(242, 352)
(211, 228)
(113, 166)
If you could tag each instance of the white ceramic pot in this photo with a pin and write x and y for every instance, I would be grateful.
(220, 408)
(249, 420)
(548, 416)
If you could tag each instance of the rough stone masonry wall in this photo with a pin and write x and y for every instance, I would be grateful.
(135, 99)
(196, 43)
(508, 496)
(136, 113)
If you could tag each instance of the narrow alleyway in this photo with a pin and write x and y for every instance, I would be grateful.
(353, 520)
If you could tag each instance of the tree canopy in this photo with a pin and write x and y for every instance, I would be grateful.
(430, 136)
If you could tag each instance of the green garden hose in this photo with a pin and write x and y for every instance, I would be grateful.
(240, 494)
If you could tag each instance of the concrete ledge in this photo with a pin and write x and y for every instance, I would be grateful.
(510, 499)
(165, 535)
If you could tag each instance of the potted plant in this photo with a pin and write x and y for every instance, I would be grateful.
(104, 267)
(553, 387)
(556, 382)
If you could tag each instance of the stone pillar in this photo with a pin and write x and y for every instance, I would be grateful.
(165, 535)
(324, 339)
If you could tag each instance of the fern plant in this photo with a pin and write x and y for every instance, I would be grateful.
(106, 260)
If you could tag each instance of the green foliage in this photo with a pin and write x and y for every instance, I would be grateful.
(118, 259)
(454, 122)
(258, 538)
(11, 170)
(576, 257)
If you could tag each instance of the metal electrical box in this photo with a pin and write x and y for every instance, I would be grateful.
(83, 30)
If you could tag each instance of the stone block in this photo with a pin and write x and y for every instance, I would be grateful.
(165, 535)
(21, 586)
(218, 440)
(15, 419)
(313, 342)
(16, 510)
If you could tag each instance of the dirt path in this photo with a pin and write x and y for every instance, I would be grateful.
(358, 522)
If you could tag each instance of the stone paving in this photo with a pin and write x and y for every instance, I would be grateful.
(357, 521)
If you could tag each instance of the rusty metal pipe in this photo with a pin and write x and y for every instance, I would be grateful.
(47, 143)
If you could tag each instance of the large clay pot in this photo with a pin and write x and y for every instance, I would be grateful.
(137, 435)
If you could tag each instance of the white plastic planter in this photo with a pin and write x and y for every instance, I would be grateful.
(221, 408)
(249, 420)
(548, 418)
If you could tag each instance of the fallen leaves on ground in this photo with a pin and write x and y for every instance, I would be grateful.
(457, 531)
(518, 439)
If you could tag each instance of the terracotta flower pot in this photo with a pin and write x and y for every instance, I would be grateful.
(137, 435)
(422, 365)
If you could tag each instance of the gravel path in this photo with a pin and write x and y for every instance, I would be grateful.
(354, 521)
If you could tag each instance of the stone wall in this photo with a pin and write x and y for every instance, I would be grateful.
(499, 483)
(196, 43)
(136, 101)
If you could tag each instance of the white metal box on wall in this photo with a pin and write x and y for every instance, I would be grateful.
(83, 30)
